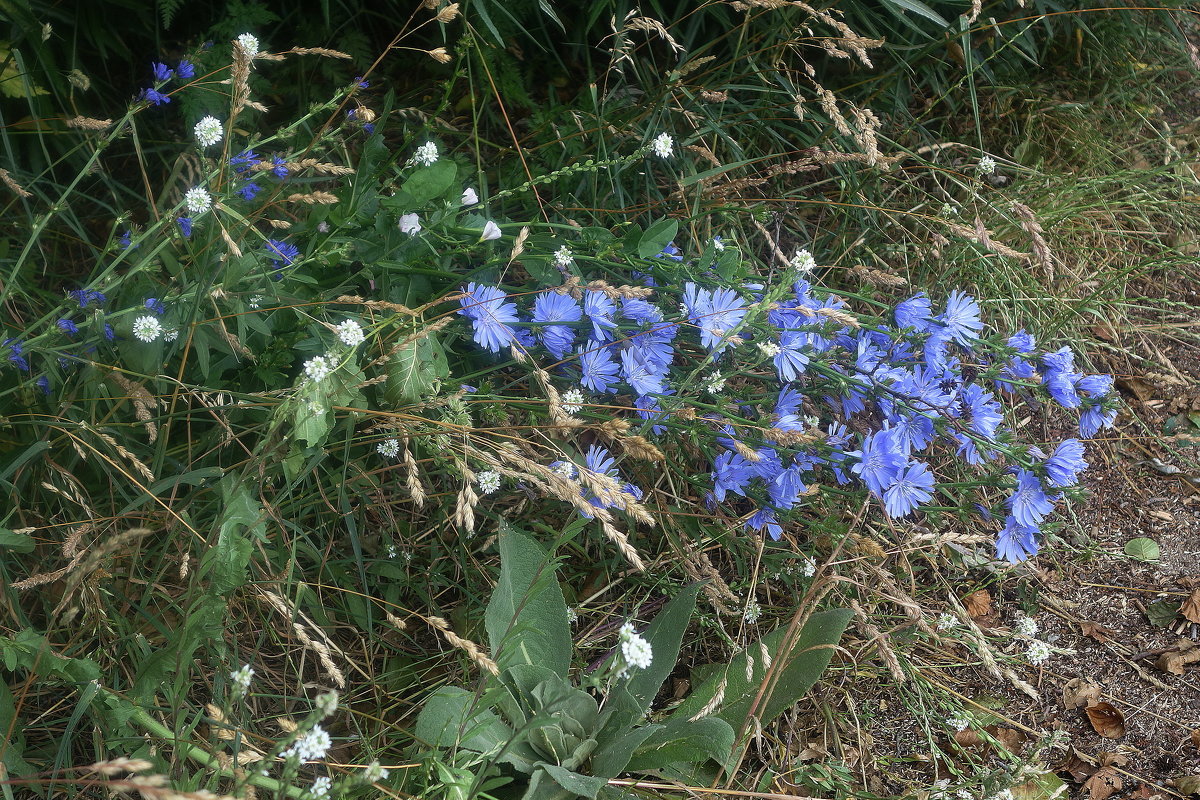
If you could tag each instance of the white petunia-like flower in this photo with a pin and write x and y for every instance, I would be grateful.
(249, 43)
(147, 328)
(572, 401)
(373, 772)
(1038, 652)
(209, 131)
(662, 145)
(1026, 626)
(240, 678)
(714, 383)
(490, 231)
(469, 198)
(986, 165)
(320, 786)
(488, 481)
(322, 227)
(563, 257)
(311, 746)
(317, 367)
(803, 262)
(947, 621)
(350, 333)
(197, 201)
(426, 154)
(634, 648)
(410, 224)
(389, 448)
(769, 349)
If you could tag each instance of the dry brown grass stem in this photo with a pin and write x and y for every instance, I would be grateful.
(115, 766)
(239, 77)
(981, 235)
(466, 500)
(229, 242)
(12, 184)
(412, 337)
(121, 451)
(412, 478)
(319, 51)
(641, 448)
(157, 787)
(279, 224)
(378, 305)
(447, 14)
(313, 198)
(440, 55)
(319, 643)
(472, 650)
(717, 699)
(883, 646)
(558, 414)
(1042, 255)
(874, 277)
(88, 561)
(620, 292)
(88, 123)
(309, 164)
(143, 402)
(519, 244)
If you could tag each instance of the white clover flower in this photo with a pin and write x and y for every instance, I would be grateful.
(949, 210)
(563, 257)
(1026, 626)
(350, 333)
(249, 43)
(490, 231)
(769, 349)
(209, 131)
(803, 262)
(662, 145)
(327, 702)
(564, 469)
(197, 201)
(389, 448)
(469, 198)
(256, 301)
(573, 400)
(311, 746)
(241, 679)
(1037, 653)
(958, 721)
(373, 772)
(410, 224)
(488, 481)
(634, 648)
(317, 367)
(714, 383)
(986, 165)
(320, 786)
(947, 621)
(147, 328)
(426, 154)
(752, 612)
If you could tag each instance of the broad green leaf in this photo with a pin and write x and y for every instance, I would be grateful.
(453, 717)
(226, 560)
(1162, 613)
(427, 183)
(573, 782)
(707, 738)
(665, 635)
(526, 618)
(415, 371)
(919, 8)
(800, 669)
(15, 542)
(657, 236)
(1143, 549)
(612, 758)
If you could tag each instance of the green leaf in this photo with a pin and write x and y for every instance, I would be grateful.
(225, 562)
(1162, 613)
(665, 635)
(415, 370)
(526, 618)
(657, 236)
(798, 671)
(690, 742)
(15, 542)
(612, 758)
(427, 183)
(1143, 549)
(919, 8)
(584, 785)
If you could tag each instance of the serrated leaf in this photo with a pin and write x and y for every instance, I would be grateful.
(414, 371)
(1143, 549)
(226, 560)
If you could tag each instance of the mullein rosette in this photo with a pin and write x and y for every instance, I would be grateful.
(824, 395)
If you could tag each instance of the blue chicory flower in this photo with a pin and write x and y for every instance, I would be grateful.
(186, 69)
(490, 316)
(599, 369)
(550, 308)
(185, 226)
(1065, 463)
(912, 487)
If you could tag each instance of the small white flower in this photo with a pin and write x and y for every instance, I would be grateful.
(469, 198)
(317, 367)
(426, 154)
(572, 401)
(1003, 794)
(320, 787)
(986, 165)
(327, 702)
(311, 746)
(392, 551)
(769, 349)
(752, 612)
(209, 131)
(490, 231)
(350, 333)
(488, 481)
(958, 721)
(563, 257)
(389, 448)
(803, 262)
(949, 210)
(373, 772)
(714, 383)
(410, 224)
(147, 328)
(170, 334)
(947, 621)
(718, 245)
(808, 567)
(322, 227)
(1026, 626)
(1037, 653)
(572, 616)
(634, 648)
(241, 679)
(197, 201)
(249, 43)
(662, 145)
(564, 469)
(256, 301)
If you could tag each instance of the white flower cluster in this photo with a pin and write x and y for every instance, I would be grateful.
(426, 154)
(249, 43)
(572, 401)
(320, 786)
(197, 201)
(635, 650)
(241, 679)
(317, 368)
(986, 166)
(209, 131)
(1038, 652)
(803, 262)
(311, 746)
(752, 612)
(488, 481)
(1026, 626)
(564, 469)
(769, 349)
(662, 145)
(147, 328)
(389, 448)
(958, 721)
(256, 301)
(714, 383)
(327, 702)
(563, 257)
(947, 621)
(373, 772)
(350, 333)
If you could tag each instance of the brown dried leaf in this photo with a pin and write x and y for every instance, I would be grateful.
(1079, 765)
(1078, 693)
(1096, 631)
(978, 603)
(1188, 784)
(1190, 607)
(1139, 388)
(1173, 661)
(1105, 783)
(1106, 720)
(1196, 738)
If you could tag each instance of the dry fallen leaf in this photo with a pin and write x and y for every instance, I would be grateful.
(1106, 720)
(1173, 661)
(1096, 631)
(1188, 784)
(1079, 765)
(1105, 783)
(1078, 693)
(1190, 607)
(1196, 738)
(978, 603)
